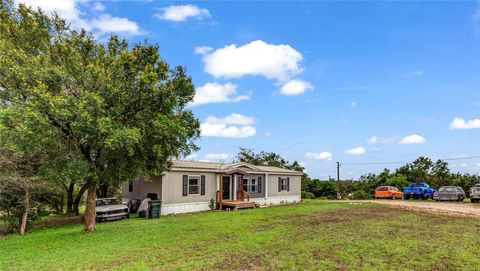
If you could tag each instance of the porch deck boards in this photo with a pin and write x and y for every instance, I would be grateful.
(236, 204)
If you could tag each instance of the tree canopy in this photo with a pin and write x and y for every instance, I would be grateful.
(120, 107)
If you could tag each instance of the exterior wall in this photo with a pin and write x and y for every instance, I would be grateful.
(295, 186)
(141, 188)
(256, 194)
(190, 207)
(278, 200)
(169, 189)
(173, 188)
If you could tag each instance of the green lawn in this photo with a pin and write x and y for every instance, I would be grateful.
(317, 235)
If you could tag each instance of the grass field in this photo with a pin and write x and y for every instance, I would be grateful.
(315, 235)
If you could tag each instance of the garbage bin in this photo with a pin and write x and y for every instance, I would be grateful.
(154, 208)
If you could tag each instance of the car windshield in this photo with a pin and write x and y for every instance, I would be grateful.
(105, 202)
(382, 188)
(448, 189)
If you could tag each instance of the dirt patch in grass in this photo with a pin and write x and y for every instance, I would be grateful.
(341, 216)
(233, 262)
(59, 221)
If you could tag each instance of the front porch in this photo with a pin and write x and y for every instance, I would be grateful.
(230, 194)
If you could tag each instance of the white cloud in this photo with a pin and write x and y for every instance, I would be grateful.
(106, 24)
(232, 126)
(182, 13)
(70, 11)
(191, 156)
(216, 156)
(459, 123)
(201, 50)
(414, 73)
(268, 134)
(319, 156)
(380, 140)
(295, 87)
(413, 139)
(353, 104)
(372, 140)
(356, 151)
(217, 93)
(275, 62)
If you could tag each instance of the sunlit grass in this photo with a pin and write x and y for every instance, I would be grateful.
(317, 235)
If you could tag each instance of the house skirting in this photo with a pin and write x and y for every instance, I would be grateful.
(277, 200)
(189, 207)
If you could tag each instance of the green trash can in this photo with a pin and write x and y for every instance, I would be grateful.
(154, 208)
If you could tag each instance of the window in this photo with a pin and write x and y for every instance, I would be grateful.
(283, 184)
(130, 186)
(245, 185)
(193, 185)
(253, 185)
(250, 185)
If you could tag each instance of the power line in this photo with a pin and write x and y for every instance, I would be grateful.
(392, 163)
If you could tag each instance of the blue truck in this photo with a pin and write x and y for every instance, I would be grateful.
(418, 191)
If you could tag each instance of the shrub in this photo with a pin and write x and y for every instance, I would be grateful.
(360, 194)
(307, 195)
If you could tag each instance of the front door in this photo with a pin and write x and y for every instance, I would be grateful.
(226, 183)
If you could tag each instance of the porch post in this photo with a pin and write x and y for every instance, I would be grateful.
(234, 186)
(221, 192)
(266, 188)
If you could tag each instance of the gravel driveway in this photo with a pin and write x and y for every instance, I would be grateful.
(449, 208)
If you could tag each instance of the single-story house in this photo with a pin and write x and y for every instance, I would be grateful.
(189, 186)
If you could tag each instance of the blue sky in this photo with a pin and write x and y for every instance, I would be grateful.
(317, 82)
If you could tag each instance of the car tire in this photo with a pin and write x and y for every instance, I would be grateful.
(405, 197)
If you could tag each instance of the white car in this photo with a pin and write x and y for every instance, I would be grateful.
(110, 209)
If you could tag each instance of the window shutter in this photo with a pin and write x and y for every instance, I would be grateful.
(202, 185)
(288, 183)
(185, 185)
(259, 185)
(279, 184)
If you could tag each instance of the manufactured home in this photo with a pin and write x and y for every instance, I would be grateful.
(190, 186)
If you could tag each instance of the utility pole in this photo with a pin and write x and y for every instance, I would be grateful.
(338, 181)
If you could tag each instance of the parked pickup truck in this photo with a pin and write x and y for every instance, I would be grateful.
(475, 193)
(418, 191)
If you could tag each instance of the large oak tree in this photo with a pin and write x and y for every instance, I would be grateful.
(121, 107)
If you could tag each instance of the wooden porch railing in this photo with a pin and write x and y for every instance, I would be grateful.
(242, 195)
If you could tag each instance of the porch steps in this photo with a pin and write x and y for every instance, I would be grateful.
(237, 204)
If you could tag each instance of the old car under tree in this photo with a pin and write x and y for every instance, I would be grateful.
(110, 209)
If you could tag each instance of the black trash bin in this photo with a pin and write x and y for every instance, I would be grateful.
(154, 208)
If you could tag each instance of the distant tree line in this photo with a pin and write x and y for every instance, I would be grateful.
(423, 169)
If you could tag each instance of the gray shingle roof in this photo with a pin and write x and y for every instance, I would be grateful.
(220, 167)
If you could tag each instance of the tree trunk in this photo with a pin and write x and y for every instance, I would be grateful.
(90, 211)
(24, 218)
(70, 190)
(78, 198)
